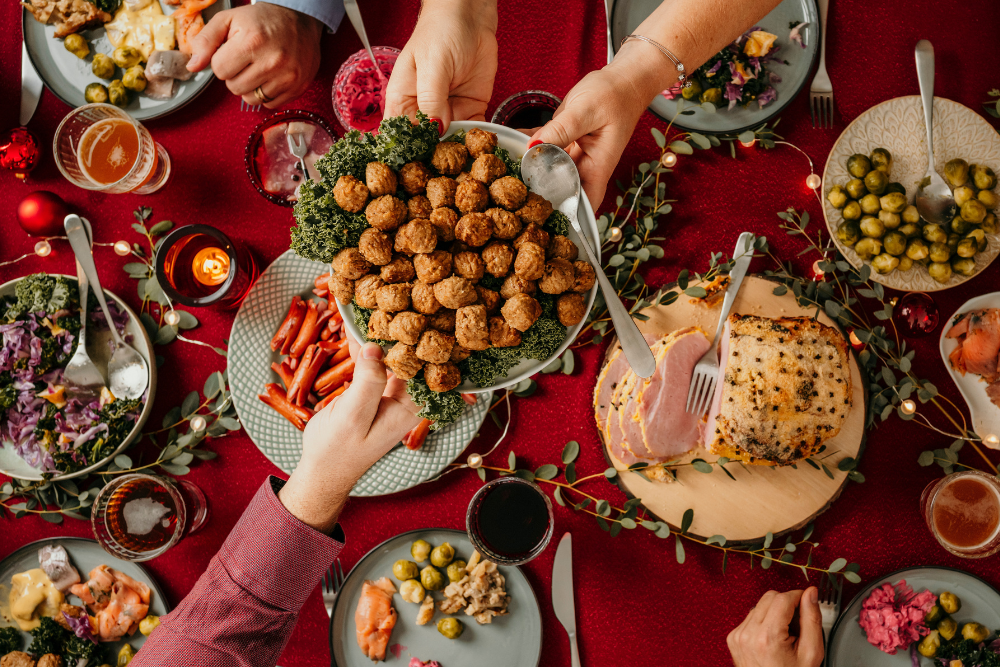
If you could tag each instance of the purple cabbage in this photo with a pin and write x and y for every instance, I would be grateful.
(766, 97)
(80, 625)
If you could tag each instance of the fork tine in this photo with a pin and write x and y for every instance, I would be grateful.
(827, 121)
(697, 393)
(691, 391)
(338, 574)
(707, 396)
(812, 109)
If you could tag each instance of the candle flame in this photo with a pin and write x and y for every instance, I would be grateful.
(211, 266)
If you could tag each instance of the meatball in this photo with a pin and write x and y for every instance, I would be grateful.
(558, 278)
(17, 659)
(399, 270)
(50, 660)
(375, 247)
(469, 265)
(351, 264)
(570, 309)
(418, 206)
(393, 298)
(380, 179)
(442, 377)
(459, 353)
(474, 229)
(497, 258)
(433, 266)
(535, 210)
(515, 284)
(532, 234)
(414, 176)
(441, 191)
(442, 320)
(502, 334)
(487, 168)
(562, 248)
(402, 360)
(509, 192)
(435, 347)
(530, 262)
(450, 158)
(386, 213)
(480, 142)
(378, 325)
(455, 292)
(424, 300)
(521, 311)
(341, 288)
(488, 298)
(407, 326)
(506, 225)
(416, 236)
(366, 289)
(471, 328)
(444, 221)
(584, 277)
(350, 194)
(471, 196)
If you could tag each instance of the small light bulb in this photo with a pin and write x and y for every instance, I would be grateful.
(908, 407)
(748, 144)
(668, 159)
(855, 341)
(818, 273)
(813, 181)
(475, 460)
(616, 234)
(992, 441)
(122, 248)
(43, 248)
(172, 317)
(198, 423)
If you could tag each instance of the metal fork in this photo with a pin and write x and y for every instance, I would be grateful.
(297, 146)
(333, 582)
(829, 604)
(821, 91)
(707, 370)
(83, 379)
(248, 107)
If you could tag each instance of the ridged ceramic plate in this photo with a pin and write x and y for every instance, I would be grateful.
(250, 359)
(898, 125)
(985, 415)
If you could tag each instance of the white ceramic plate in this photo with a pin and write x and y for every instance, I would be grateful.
(517, 144)
(98, 345)
(249, 364)
(514, 639)
(985, 415)
(68, 76)
(848, 646)
(898, 126)
(85, 554)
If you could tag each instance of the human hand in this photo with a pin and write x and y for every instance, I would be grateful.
(263, 45)
(447, 67)
(763, 639)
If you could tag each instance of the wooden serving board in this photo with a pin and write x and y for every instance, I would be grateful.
(762, 499)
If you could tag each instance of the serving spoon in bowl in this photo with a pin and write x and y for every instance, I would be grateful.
(934, 202)
(83, 378)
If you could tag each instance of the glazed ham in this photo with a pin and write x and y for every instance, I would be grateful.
(978, 351)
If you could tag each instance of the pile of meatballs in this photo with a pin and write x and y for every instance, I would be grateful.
(420, 263)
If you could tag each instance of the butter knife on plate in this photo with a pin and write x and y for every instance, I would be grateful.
(31, 86)
(562, 594)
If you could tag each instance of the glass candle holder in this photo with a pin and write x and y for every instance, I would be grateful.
(198, 265)
(359, 90)
(962, 511)
(100, 147)
(509, 521)
(526, 110)
(274, 172)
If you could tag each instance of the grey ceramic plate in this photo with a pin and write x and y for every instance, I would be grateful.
(67, 76)
(98, 344)
(848, 646)
(514, 639)
(85, 555)
(626, 15)
(250, 359)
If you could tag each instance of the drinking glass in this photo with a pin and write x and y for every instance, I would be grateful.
(359, 91)
(137, 516)
(149, 172)
(509, 521)
(526, 110)
(198, 265)
(981, 513)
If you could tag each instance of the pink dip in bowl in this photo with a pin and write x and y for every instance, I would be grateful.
(359, 91)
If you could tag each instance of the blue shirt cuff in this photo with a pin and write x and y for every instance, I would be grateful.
(328, 12)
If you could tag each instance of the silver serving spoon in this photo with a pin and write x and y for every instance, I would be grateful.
(83, 378)
(127, 371)
(354, 14)
(551, 173)
(934, 199)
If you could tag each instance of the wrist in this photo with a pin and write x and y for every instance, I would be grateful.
(482, 13)
(314, 500)
(645, 70)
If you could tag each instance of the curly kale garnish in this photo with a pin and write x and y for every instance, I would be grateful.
(42, 293)
(109, 6)
(350, 155)
(442, 408)
(323, 228)
(50, 637)
(557, 223)
(513, 166)
(400, 141)
(539, 342)
(10, 640)
(458, 137)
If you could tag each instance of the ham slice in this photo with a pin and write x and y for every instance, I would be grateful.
(609, 380)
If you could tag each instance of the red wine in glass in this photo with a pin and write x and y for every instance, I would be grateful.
(510, 521)
(527, 110)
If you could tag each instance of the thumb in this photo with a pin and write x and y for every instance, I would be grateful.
(360, 402)
(433, 90)
(564, 128)
(810, 643)
(208, 41)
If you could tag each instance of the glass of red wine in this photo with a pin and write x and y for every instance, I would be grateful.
(510, 521)
(526, 110)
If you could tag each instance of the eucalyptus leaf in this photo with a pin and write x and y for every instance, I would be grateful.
(166, 334)
(837, 565)
(687, 520)
(123, 461)
(188, 321)
(628, 524)
(547, 471)
(610, 473)
(557, 494)
(679, 550)
(161, 228)
(681, 148)
(190, 404)
(570, 451)
(213, 385)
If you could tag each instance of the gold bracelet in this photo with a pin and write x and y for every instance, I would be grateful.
(678, 65)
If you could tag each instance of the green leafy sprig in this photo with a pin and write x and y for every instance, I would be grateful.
(992, 105)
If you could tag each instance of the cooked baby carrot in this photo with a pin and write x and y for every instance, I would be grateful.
(283, 371)
(305, 377)
(334, 377)
(329, 399)
(322, 280)
(289, 329)
(308, 333)
(415, 438)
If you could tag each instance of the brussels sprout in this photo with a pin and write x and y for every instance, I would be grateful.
(934, 233)
(848, 233)
(405, 569)
(126, 56)
(894, 202)
(852, 211)
(911, 230)
(837, 196)
(963, 267)
(939, 252)
(456, 570)
(948, 627)
(894, 243)
(117, 94)
(868, 248)
(102, 67)
(420, 550)
(856, 188)
(989, 224)
(917, 249)
(77, 45)
(125, 655)
(930, 644)
(889, 220)
(870, 204)
(905, 263)
(956, 172)
(713, 95)
(691, 90)
(881, 159)
(966, 248)
(975, 631)
(442, 555)
(959, 226)
(988, 198)
(872, 227)
(134, 78)
(411, 590)
(432, 579)
(148, 624)
(939, 271)
(935, 615)
(858, 165)
(911, 215)
(95, 92)
(876, 182)
(885, 263)
(963, 194)
(980, 238)
(895, 187)
(450, 627)
(953, 240)
(973, 211)
(982, 177)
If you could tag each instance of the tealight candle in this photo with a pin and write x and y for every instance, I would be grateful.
(198, 265)
(210, 266)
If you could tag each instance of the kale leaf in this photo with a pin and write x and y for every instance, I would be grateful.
(323, 228)
(76, 649)
(539, 342)
(400, 141)
(968, 652)
(361, 317)
(557, 223)
(47, 638)
(8, 396)
(10, 640)
(513, 165)
(109, 6)
(442, 408)
(350, 155)
(42, 293)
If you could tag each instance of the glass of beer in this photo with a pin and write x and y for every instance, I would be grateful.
(509, 521)
(962, 511)
(137, 517)
(100, 147)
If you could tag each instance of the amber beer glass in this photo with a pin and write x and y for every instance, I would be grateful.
(963, 513)
(100, 147)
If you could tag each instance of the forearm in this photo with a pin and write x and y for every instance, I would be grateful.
(470, 11)
(315, 495)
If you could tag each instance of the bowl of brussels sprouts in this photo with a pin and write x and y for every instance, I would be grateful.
(870, 181)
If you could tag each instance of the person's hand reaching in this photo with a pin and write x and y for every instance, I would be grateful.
(763, 639)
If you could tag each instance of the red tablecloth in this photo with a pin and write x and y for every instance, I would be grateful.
(636, 605)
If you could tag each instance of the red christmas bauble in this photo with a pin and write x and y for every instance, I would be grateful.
(19, 151)
(42, 213)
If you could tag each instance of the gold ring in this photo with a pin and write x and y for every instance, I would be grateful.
(259, 94)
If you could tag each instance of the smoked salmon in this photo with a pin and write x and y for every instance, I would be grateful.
(978, 351)
(117, 601)
(375, 618)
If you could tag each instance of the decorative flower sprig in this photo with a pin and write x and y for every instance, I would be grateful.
(992, 106)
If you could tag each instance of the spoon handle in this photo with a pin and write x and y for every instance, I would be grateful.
(84, 285)
(925, 76)
(81, 248)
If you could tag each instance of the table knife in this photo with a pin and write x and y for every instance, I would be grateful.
(562, 594)
(31, 86)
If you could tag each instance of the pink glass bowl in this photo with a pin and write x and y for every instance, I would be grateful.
(358, 90)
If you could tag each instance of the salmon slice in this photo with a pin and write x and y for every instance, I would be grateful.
(959, 328)
(981, 346)
(993, 391)
(96, 592)
(957, 360)
(375, 618)
(140, 588)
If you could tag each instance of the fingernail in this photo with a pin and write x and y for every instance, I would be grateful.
(440, 125)
(534, 142)
(812, 595)
(371, 351)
